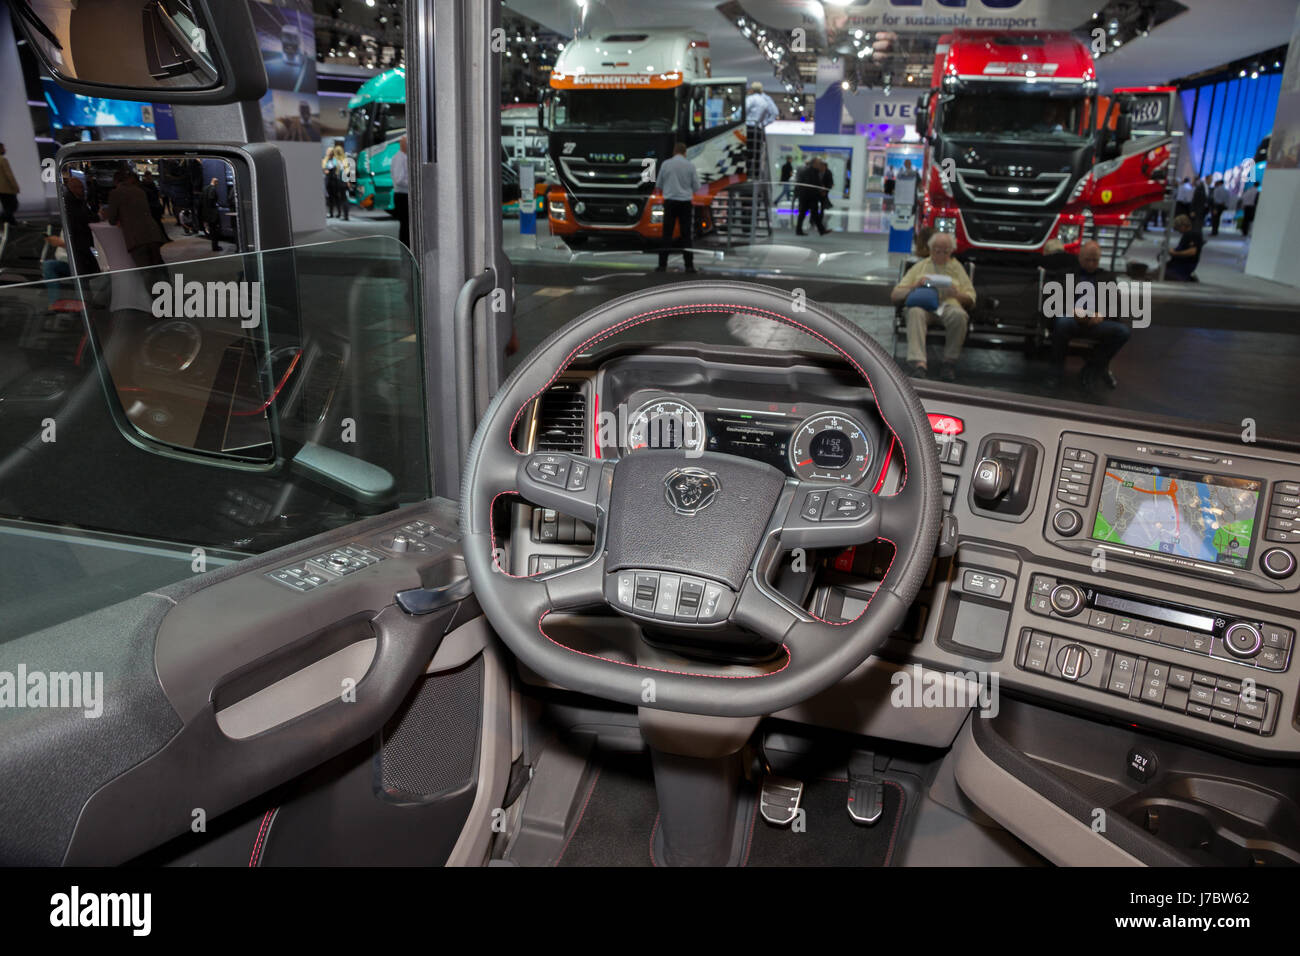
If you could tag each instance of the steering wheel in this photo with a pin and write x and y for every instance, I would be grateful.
(687, 538)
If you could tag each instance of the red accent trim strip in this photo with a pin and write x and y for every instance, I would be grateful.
(884, 468)
(284, 378)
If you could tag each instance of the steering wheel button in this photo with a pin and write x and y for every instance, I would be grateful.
(812, 505)
(626, 585)
(666, 603)
(647, 586)
(692, 594)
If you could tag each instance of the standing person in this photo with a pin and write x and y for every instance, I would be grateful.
(155, 203)
(210, 213)
(1200, 202)
(677, 183)
(949, 303)
(77, 237)
(1218, 206)
(401, 173)
(807, 193)
(1183, 197)
(760, 110)
(827, 183)
(8, 189)
(787, 173)
(1249, 200)
(336, 176)
(128, 209)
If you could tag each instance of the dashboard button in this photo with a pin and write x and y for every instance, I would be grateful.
(1102, 620)
(1039, 604)
(1043, 585)
(812, 505)
(1121, 674)
(1279, 637)
(1180, 677)
(1200, 694)
(1199, 643)
(1197, 710)
(1271, 658)
(1248, 723)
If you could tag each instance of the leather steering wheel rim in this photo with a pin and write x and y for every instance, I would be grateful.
(818, 654)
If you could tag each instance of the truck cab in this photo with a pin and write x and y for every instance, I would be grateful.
(1011, 139)
(617, 104)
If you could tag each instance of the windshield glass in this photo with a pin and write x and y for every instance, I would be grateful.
(614, 109)
(1012, 115)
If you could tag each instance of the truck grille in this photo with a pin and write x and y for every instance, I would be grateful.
(585, 174)
(1007, 228)
(606, 211)
(1041, 190)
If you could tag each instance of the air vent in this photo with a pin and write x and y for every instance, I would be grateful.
(562, 419)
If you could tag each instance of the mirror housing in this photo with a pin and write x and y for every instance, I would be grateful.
(192, 353)
(196, 52)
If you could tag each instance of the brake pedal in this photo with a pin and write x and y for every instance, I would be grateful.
(866, 788)
(779, 802)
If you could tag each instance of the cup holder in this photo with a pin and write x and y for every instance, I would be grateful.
(1262, 829)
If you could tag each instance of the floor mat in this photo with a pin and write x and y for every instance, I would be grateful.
(831, 838)
(619, 813)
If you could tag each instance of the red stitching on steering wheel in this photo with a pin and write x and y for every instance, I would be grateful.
(640, 319)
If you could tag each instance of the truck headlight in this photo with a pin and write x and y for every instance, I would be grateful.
(657, 213)
(1069, 233)
(558, 212)
(946, 224)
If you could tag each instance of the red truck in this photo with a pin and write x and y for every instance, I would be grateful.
(1020, 148)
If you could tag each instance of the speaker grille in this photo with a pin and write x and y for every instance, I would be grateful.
(430, 748)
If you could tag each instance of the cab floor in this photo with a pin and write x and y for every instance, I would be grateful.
(619, 814)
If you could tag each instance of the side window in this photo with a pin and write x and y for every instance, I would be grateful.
(170, 419)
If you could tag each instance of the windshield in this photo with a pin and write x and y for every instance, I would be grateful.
(1012, 115)
(614, 109)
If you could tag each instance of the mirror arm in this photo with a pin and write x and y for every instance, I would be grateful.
(366, 484)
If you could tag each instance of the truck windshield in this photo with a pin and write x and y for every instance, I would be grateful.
(618, 109)
(1010, 115)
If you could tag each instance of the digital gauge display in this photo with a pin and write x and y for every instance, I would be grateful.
(665, 423)
(830, 447)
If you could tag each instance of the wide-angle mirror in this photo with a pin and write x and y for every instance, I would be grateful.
(178, 51)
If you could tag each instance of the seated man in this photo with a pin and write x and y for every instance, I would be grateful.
(936, 289)
(1187, 254)
(1079, 321)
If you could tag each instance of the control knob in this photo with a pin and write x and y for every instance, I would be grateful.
(1067, 522)
(401, 543)
(1277, 563)
(1066, 600)
(1242, 639)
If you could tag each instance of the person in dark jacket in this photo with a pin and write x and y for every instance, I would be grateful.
(128, 209)
(1200, 202)
(155, 203)
(77, 237)
(210, 213)
(828, 183)
(808, 193)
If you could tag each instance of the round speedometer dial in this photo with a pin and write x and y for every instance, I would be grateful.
(830, 447)
(665, 423)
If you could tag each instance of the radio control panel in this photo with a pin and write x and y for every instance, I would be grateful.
(1247, 643)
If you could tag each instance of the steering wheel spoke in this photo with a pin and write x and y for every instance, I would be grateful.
(571, 484)
(582, 585)
(829, 516)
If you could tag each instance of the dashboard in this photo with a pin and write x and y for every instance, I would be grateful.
(1137, 572)
(811, 424)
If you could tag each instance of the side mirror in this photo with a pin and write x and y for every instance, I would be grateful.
(1123, 128)
(167, 51)
(192, 347)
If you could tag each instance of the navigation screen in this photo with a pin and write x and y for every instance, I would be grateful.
(1185, 513)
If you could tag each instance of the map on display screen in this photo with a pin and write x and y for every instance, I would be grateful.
(1193, 515)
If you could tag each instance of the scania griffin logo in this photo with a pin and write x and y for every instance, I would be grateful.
(688, 490)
